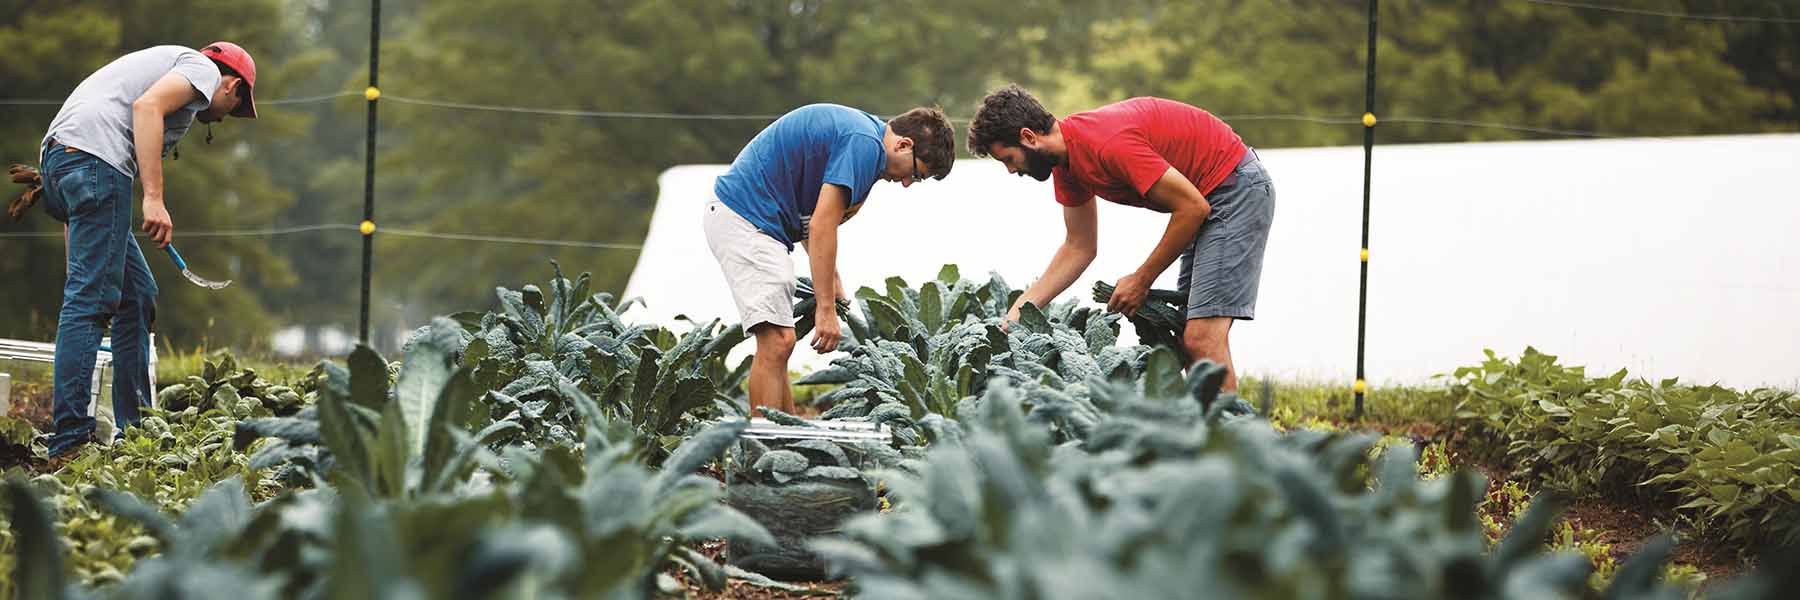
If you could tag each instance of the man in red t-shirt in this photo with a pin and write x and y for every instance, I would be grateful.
(1151, 153)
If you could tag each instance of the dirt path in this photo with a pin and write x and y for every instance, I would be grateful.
(1628, 530)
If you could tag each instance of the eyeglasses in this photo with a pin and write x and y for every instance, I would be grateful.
(917, 175)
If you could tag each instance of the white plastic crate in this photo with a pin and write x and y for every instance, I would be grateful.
(100, 398)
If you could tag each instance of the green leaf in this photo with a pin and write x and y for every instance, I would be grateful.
(368, 377)
(423, 376)
(126, 505)
(999, 294)
(38, 572)
(931, 307)
(1527, 535)
(778, 417)
(1310, 501)
(343, 436)
(781, 461)
(896, 290)
(826, 449)
(724, 522)
(1718, 436)
(644, 387)
(697, 451)
(216, 518)
(1204, 382)
(453, 405)
(949, 274)
(1033, 320)
(1163, 376)
(889, 318)
(1637, 577)
(392, 454)
(1464, 501)
(469, 320)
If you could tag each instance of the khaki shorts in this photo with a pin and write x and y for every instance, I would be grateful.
(756, 267)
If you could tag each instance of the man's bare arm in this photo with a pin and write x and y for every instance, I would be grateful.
(1081, 242)
(165, 96)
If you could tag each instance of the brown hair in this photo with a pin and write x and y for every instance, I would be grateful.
(1002, 114)
(934, 141)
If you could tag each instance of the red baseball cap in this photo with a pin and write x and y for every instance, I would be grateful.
(234, 56)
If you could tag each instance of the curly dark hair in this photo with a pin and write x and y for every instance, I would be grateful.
(934, 140)
(1003, 113)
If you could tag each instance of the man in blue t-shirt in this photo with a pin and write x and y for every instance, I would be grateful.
(808, 172)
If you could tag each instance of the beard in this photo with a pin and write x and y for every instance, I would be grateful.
(1038, 164)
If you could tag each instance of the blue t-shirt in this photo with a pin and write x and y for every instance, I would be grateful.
(775, 181)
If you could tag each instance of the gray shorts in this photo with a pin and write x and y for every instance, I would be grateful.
(1221, 269)
(757, 268)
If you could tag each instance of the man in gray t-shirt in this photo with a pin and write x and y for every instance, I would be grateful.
(113, 129)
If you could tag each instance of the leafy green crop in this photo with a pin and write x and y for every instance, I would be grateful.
(1728, 461)
(170, 460)
(407, 441)
(546, 522)
(1160, 508)
(513, 453)
(932, 350)
(19, 441)
(537, 345)
(1159, 322)
(223, 384)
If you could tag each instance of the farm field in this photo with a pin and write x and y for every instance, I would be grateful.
(554, 446)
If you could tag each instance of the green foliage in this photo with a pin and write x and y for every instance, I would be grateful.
(19, 441)
(540, 344)
(1159, 507)
(1726, 460)
(1159, 322)
(1551, 67)
(406, 442)
(549, 522)
(1303, 401)
(784, 460)
(169, 460)
(927, 350)
(221, 383)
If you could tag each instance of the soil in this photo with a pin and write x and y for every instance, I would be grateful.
(1627, 529)
(32, 402)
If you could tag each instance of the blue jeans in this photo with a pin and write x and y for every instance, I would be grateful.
(108, 283)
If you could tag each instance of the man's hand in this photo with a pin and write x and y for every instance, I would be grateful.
(157, 223)
(827, 332)
(1129, 294)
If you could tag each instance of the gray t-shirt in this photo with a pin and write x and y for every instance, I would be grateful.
(96, 118)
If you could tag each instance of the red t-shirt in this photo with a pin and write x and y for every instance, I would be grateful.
(1119, 150)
